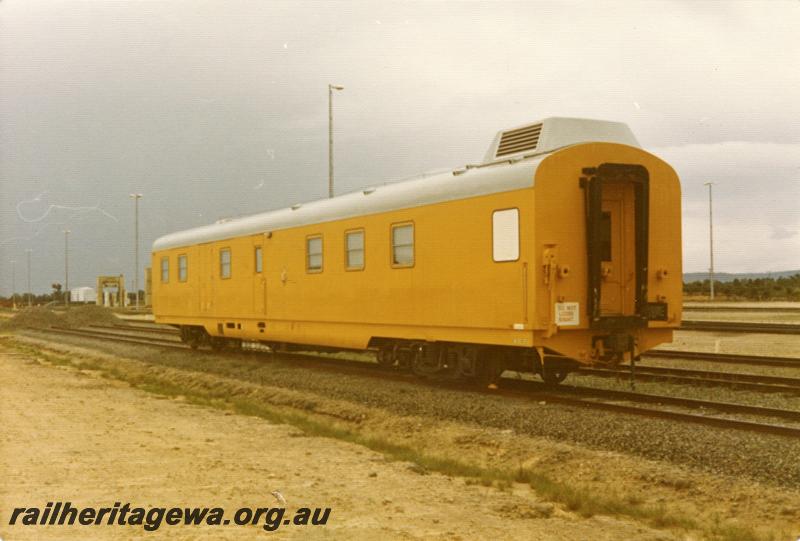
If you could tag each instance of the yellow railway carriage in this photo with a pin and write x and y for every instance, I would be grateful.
(562, 247)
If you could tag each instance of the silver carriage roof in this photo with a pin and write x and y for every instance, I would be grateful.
(509, 164)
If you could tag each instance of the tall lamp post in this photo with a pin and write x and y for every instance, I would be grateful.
(66, 266)
(136, 197)
(710, 238)
(331, 88)
(13, 285)
(28, 252)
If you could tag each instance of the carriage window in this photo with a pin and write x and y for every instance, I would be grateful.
(605, 236)
(354, 246)
(183, 268)
(225, 263)
(259, 261)
(164, 270)
(314, 254)
(505, 235)
(403, 245)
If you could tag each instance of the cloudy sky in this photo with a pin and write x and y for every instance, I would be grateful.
(214, 109)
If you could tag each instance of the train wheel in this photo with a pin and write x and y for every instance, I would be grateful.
(404, 359)
(554, 373)
(385, 358)
(489, 369)
(191, 337)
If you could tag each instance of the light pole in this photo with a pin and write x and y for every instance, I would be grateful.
(331, 88)
(136, 197)
(710, 238)
(13, 285)
(66, 266)
(28, 252)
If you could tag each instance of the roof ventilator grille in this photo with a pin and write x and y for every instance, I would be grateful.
(519, 140)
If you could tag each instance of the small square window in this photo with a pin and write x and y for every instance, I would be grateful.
(164, 270)
(314, 254)
(225, 263)
(403, 245)
(259, 260)
(183, 268)
(354, 247)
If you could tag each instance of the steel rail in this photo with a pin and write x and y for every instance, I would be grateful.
(740, 309)
(723, 358)
(691, 403)
(754, 382)
(155, 328)
(721, 422)
(740, 326)
(118, 337)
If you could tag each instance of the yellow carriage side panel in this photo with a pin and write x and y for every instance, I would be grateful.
(452, 282)
(452, 290)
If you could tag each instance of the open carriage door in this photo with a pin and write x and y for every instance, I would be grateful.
(617, 208)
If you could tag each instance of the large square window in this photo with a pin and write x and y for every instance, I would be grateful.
(505, 235)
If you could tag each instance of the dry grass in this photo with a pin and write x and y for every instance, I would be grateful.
(79, 316)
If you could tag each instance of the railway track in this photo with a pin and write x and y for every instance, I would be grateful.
(136, 327)
(753, 382)
(725, 358)
(607, 400)
(583, 397)
(740, 326)
(743, 309)
(119, 337)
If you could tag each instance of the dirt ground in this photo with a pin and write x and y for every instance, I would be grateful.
(71, 435)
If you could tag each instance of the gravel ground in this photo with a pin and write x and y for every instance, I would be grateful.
(763, 457)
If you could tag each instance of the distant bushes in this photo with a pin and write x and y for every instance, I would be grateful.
(40, 317)
(755, 289)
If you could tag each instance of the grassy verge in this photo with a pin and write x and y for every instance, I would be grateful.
(575, 498)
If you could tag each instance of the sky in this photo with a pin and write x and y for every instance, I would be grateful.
(219, 109)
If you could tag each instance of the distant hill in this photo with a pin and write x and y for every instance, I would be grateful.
(731, 276)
